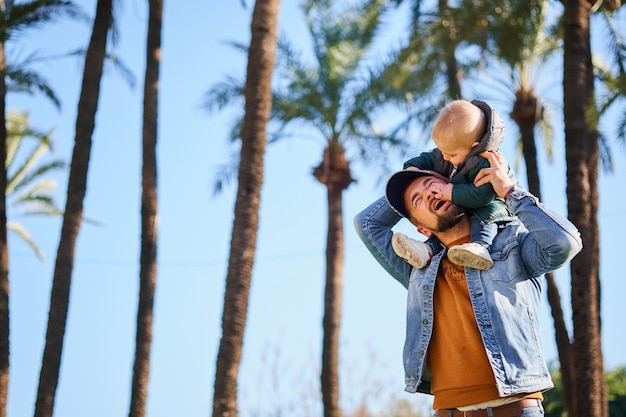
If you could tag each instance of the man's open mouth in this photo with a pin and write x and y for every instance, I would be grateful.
(438, 204)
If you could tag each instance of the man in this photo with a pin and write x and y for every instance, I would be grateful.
(472, 336)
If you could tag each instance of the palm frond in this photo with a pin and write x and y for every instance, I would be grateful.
(32, 14)
(24, 179)
(621, 128)
(17, 130)
(36, 204)
(615, 43)
(25, 236)
(121, 68)
(223, 94)
(28, 189)
(238, 46)
(20, 79)
(226, 173)
(605, 154)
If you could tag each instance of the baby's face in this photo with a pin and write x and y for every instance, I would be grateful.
(454, 153)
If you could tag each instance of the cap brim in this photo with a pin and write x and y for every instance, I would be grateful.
(399, 181)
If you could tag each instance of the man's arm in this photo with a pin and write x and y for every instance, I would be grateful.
(373, 225)
(552, 240)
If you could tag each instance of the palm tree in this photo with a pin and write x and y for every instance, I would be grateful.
(149, 218)
(27, 185)
(16, 18)
(338, 98)
(582, 151)
(72, 217)
(258, 103)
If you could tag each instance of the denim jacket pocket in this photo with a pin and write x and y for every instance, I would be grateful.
(507, 262)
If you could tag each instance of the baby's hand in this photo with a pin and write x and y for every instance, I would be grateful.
(442, 191)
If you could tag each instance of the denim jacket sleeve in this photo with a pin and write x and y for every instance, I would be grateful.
(373, 225)
(551, 240)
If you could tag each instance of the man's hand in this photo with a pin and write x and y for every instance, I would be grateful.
(496, 174)
(442, 191)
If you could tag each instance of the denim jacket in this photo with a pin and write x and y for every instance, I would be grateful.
(505, 298)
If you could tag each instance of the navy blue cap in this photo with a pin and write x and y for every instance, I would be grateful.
(399, 181)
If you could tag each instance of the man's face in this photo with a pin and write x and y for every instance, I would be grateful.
(425, 210)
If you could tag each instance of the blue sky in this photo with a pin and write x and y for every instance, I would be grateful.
(283, 337)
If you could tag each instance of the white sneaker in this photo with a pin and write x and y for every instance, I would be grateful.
(415, 252)
(471, 254)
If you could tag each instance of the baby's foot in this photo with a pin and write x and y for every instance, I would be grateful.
(413, 251)
(472, 255)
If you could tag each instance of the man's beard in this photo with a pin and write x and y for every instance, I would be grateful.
(450, 219)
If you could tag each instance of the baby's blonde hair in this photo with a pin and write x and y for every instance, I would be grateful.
(459, 123)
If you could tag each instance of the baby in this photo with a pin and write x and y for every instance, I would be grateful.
(462, 130)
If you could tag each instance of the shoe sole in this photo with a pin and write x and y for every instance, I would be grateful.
(466, 258)
(406, 253)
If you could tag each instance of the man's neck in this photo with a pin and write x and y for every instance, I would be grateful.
(458, 231)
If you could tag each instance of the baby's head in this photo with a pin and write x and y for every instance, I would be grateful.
(458, 128)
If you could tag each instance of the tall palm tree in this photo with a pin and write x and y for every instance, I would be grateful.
(15, 19)
(72, 217)
(338, 97)
(582, 151)
(258, 104)
(28, 184)
(149, 210)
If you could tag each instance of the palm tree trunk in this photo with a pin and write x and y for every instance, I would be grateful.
(77, 185)
(581, 149)
(4, 248)
(332, 303)
(334, 173)
(452, 67)
(258, 94)
(149, 218)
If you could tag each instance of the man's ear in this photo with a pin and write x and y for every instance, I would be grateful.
(424, 231)
(475, 144)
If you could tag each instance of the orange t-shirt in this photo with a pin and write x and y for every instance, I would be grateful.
(457, 359)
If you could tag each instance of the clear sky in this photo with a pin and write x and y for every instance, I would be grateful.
(283, 339)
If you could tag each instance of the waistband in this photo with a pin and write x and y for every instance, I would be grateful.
(508, 410)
